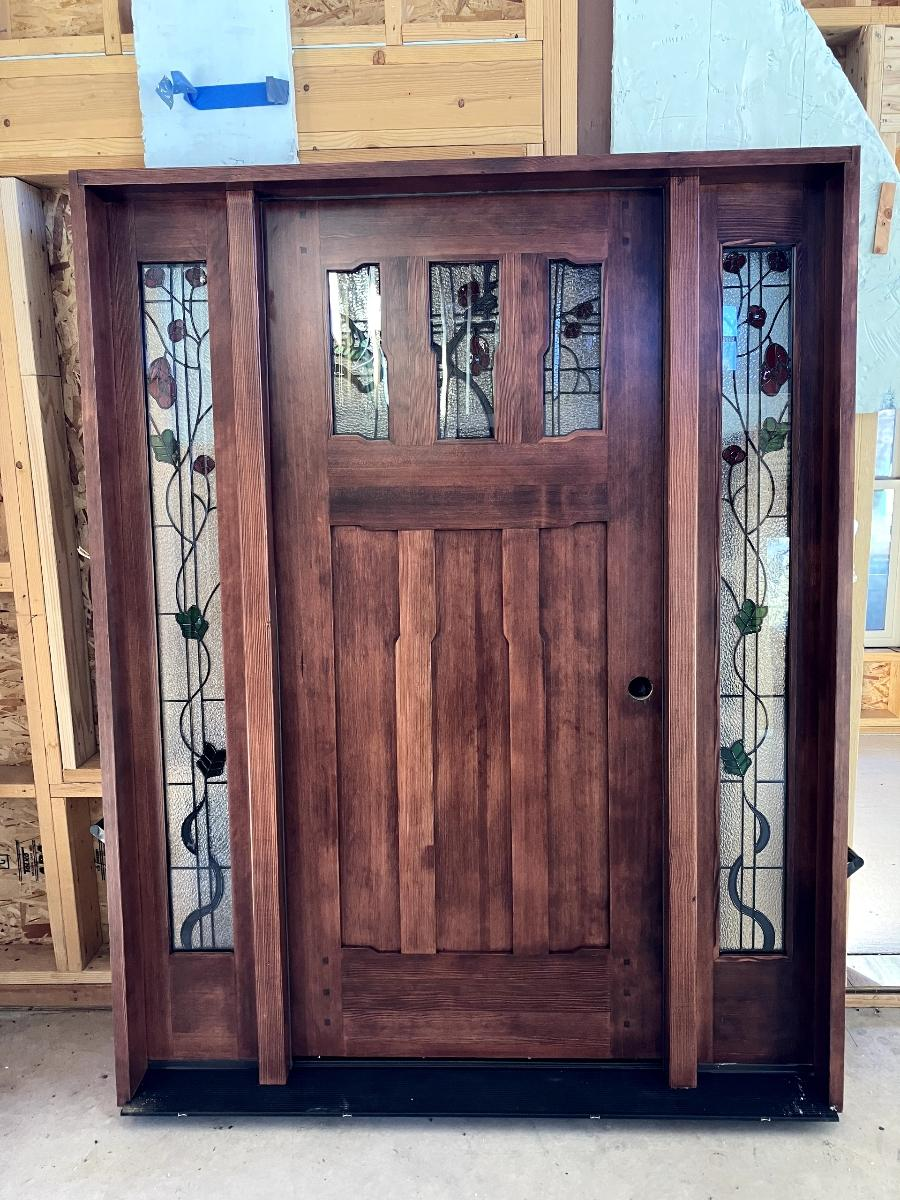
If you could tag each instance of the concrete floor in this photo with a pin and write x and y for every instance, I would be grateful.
(873, 924)
(61, 1137)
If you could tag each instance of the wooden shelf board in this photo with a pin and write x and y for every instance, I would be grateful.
(16, 780)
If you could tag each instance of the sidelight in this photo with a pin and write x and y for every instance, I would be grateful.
(184, 516)
(359, 385)
(572, 362)
(465, 333)
(754, 560)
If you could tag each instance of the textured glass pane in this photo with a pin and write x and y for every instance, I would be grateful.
(754, 560)
(572, 363)
(465, 333)
(885, 443)
(358, 366)
(182, 466)
(879, 558)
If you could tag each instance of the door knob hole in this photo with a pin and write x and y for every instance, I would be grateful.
(640, 688)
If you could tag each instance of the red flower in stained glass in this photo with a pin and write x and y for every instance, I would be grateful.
(775, 369)
(481, 354)
(204, 465)
(468, 292)
(734, 262)
(572, 329)
(756, 316)
(733, 455)
(195, 276)
(778, 261)
(154, 277)
(175, 330)
(161, 382)
(584, 310)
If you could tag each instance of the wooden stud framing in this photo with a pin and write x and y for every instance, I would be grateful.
(44, 575)
(683, 290)
(884, 218)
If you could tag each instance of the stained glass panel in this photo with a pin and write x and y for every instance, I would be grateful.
(183, 477)
(465, 333)
(572, 363)
(754, 560)
(358, 365)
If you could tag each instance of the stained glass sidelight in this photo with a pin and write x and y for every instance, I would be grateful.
(358, 366)
(465, 333)
(572, 363)
(754, 560)
(183, 475)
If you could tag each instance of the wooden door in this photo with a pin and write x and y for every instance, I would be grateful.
(466, 457)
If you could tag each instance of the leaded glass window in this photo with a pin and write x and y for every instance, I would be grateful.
(465, 333)
(359, 382)
(182, 476)
(754, 557)
(572, 362)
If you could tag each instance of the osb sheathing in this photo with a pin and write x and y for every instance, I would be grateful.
(51, 18)
(876, 688)
(464, 10)
(310, 13)
(23, 900)
(58, 221)
(14, 744)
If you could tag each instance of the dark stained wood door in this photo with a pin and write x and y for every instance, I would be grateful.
(466, 455)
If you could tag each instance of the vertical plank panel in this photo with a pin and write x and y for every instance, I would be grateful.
(520, 355)
(415, 730)
(251, 439)
(682, 452)
(412, 370)
(472, 845)
(527, 740)
(573, 619)
(366, 624)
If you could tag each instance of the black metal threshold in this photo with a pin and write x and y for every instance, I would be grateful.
(443, 1088)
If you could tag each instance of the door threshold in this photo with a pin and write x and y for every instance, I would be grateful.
(480, 1088)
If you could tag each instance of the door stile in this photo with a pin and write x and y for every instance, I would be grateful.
(680, 719)
(260, 681)
(299, 386)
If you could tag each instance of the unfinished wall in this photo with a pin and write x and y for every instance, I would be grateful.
(714, 75)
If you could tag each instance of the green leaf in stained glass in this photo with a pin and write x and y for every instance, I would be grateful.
(193, 623)
(773, 435)
(165, 447)
(735, 759)
(749, 617)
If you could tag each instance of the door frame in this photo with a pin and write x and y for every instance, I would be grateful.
(214, 213)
